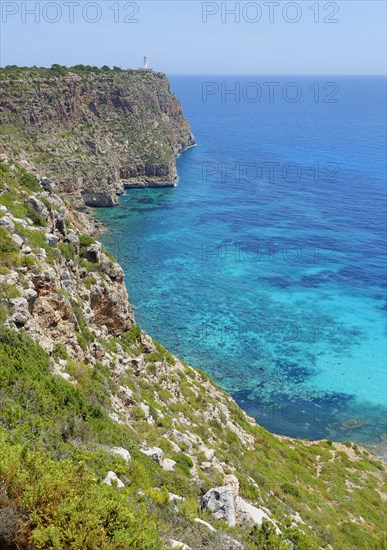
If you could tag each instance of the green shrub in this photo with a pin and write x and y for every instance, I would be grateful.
(67, 251)
(59, 351)
(89, 282)
(290, 489)
(184, 463)
(84, 242)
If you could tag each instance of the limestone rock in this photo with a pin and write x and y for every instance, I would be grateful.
(179, 545)
(20, 312)
(17, 240)
(120, 451)
(246, 512)
(168, 464)
(52, 240)
(7, 223)
(111, 308)
(39, 207)
(220, 501)
(232, 480)
(93, 254)
(202, 522)
(47, 185)
(155, 453)
(175, 498)
(112, 479)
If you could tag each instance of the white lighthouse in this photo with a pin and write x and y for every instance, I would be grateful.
(145, 64)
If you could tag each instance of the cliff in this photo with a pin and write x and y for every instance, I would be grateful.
(96, 131)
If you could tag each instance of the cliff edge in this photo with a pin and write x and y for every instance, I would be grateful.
(96, 131)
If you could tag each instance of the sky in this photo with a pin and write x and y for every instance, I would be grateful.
(195, 37)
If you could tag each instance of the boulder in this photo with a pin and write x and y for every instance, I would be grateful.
(221, 502)
(73, 239)
(6, 222)
(39, 207)
(175, 498)
(155, 453)
(121, 452)
(47, 185)
(232, 480)
(112, 479)
(93, 254)
(168, 464)
(246, 513)
(17, 240)
(20, 312)
(226, 505)
(52, 240)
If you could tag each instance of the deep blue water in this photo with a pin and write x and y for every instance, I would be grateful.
(274, 282)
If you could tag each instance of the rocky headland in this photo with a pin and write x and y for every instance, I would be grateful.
(97, 133)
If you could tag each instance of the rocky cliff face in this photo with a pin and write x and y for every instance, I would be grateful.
(96, 133)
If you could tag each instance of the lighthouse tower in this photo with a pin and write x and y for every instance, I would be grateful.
(145, 66)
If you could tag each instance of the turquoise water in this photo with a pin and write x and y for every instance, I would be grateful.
(274, 281)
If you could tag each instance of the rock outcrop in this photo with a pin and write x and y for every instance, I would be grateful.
(96, 133)
(225, 504)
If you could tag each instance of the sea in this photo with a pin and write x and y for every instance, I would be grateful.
(266, 265)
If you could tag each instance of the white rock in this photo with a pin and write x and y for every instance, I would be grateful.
(208, 453)
(7, 223)
(27, 250)
(179, 545)
(232, 480)
(198, 520)
(17, 240)
(52, 239)
(112, 479)
(168, 464)
(121, 452)
(30, 295)
(175, 498)
(3, 208)
(20, 221)
(20, 311)
(248, 512)
(155, 453)
(220, 501)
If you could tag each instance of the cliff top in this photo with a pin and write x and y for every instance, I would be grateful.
(13, 72)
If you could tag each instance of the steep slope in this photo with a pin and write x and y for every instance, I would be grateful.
(109, 441)
(97, 131)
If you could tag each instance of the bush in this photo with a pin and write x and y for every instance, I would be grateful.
(290, 489)
(67, 251)
(84, 242)
(67, 507)
(184, 463)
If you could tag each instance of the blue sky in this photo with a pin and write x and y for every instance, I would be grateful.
(177, 40)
